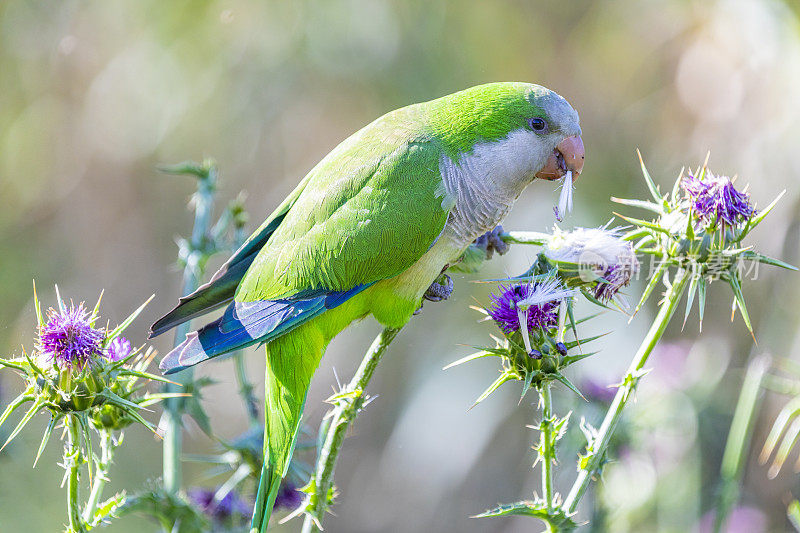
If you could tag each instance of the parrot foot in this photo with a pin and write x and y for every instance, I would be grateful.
(491, 242)
(441, 289)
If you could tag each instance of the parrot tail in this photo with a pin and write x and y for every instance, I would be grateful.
(213, 295)
(291, 362)
(222, 286)
(246, 323)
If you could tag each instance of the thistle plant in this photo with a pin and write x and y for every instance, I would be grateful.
(346, 405)
(193, 255)
(532, 347)
(595, 260)
(534, 313)
(532, 350)
(88, 379)
(242, 458)
(239, 462)
(208, 238)
(695, 238)
(91, 380)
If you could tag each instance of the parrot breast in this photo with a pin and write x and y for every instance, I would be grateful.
(482, 186)
(484, 183)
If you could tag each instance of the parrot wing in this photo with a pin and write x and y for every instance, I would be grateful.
(359, 219)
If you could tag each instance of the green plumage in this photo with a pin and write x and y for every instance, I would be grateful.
(380, 190)
(486, 113)
(365, 233)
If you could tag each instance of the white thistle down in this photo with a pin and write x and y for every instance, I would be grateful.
(593, 245)
(600, 253)
(565, 200)
(543, 292)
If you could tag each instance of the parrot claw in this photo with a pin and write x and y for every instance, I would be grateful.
(441, 289)
(491, 242)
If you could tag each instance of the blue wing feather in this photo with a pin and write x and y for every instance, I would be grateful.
(246, 323)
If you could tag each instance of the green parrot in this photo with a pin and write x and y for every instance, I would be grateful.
(367, 232)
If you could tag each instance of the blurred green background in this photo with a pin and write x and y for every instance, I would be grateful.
(93, 96)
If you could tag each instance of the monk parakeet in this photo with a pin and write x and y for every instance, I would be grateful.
(367, 232)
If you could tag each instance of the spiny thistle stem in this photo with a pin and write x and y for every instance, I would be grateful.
(738, 443)
(72, 462)
(547, 451)
(203, 201)
(626, 389)
(101, 476)
(348, 403)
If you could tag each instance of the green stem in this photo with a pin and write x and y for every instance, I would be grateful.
(351, 400)
(203, 202)
(72, 462)
(173, 412)
(738, 443)
(626, 389)
(547, 442)
(525, 237)
(101, 477)
(547, 452)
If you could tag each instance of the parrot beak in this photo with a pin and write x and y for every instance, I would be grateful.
(568, 155)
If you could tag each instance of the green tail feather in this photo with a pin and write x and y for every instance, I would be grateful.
(265, 499)
(291, 362)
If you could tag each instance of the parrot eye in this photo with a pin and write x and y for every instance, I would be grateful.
(537, 124)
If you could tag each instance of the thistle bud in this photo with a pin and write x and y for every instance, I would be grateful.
(528, 316)
(78, 369)
(597, 258)
(699, 228)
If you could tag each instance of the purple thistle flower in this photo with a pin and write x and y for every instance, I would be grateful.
(616, 276)
(289, 497)
(228, 506)
(715, 199)
(505, 309)
(69, 339)
(119, 349)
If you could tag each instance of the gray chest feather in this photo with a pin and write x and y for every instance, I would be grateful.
(482, 190)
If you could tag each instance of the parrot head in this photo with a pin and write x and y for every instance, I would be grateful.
(520, 131)
(559, 125)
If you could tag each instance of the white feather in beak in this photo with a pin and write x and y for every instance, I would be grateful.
(565, 200)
